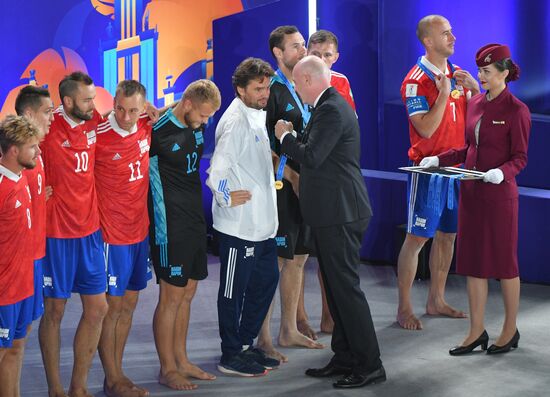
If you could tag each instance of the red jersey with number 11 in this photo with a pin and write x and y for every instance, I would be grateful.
(122, 180)
(69, 157)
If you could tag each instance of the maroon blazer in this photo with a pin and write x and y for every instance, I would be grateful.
(503, 141)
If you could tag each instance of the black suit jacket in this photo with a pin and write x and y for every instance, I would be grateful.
(332, 189)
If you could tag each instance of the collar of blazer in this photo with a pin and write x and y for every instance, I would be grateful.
(324, 97)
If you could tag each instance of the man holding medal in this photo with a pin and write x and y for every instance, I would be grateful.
(335, 203)
(435, 93)
(288, 46)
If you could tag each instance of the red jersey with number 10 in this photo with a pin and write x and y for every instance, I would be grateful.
(122, 180)
(69, 157)
(37, 186)
(16, 261)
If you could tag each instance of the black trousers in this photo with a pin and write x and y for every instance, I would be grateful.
(354, 341)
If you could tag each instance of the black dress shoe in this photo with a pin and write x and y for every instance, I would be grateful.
(329, 370)
(482, 341)
(360, 380)
(495, 349)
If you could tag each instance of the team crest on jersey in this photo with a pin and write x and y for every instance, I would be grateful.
(411, 90)
(91, 137)
(143, 146)
(4, 333)
(199, 139)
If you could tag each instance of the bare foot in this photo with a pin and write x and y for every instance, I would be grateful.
(407, 320)
(296, 339)
(124, 388)
(57, 393)
(192, 371)
(271, 352)
(443, 309)
(79, 393)
(175, 380)
(327, 324)
(305, 329)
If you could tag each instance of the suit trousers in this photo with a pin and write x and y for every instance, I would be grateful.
(354, 341)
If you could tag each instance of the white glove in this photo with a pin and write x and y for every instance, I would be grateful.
(493, 176)
(429, 162)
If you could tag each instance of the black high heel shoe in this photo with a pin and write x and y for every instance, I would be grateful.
(495, 349)
(482, 341)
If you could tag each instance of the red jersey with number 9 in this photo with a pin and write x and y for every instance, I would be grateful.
(37, 186)
(122, 180)
(16, 261)
(69, 156)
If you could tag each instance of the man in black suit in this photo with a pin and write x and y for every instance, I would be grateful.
(335, 203)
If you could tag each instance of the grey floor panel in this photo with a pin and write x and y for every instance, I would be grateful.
(417, 362)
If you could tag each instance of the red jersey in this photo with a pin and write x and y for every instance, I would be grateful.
(37, 186)
(69, 156)
(419, 93)
(122, 180)
(16, 261)
(341, 83)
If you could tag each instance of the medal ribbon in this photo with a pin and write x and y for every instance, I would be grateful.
(431, 75)
(435, 189)
(306, 115)
(454, 179)
(281, 168)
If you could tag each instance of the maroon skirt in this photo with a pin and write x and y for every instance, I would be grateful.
(487, 237)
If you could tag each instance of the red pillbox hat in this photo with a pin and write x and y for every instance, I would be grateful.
(491, 53)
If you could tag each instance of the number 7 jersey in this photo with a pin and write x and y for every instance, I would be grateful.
(122, 180)
(419, 93)
(69, 157)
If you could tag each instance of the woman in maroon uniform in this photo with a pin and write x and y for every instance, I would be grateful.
(497, 135)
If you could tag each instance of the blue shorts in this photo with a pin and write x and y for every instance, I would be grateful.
(13, 324)
(74, 265)
(127, 267)
(431, 206)
(34, 305)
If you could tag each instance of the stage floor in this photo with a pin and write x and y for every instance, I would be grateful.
(417, 362)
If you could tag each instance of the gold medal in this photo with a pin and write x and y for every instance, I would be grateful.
(455, 94)
(278, 185)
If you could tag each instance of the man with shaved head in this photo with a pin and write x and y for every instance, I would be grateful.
(335, 203)
(435, 93)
